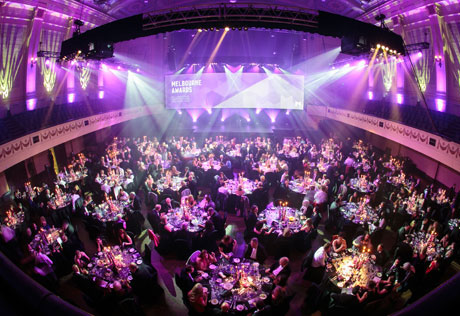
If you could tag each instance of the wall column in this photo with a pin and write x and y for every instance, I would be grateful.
(434, 12)
(31, 69)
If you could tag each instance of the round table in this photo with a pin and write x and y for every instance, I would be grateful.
(419, 240)
(196, 217)
(112, 264)
(110, 211)
(281, 217)
(361, 185)
(47, 241)
(454, 223)
(14, 219)
(240, 282)
(351, 268)
(174, 181)
(247, 185)
(360, 214)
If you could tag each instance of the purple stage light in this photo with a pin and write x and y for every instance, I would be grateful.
(118, 67)
(273, 119)
(209, 110)
(287, 112)
(248, 119)
(419, 54)
(47, 62)
(346, 65)
(258, 111)
(138, 70)
(71, 97)
(179, 112)
(222, 119)
(370, 95)
(101, 94)
(399, 98)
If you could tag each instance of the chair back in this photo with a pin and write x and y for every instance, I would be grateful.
(193, 256)
(186, 192)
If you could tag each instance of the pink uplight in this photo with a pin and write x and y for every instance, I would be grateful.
(258, 111)
(101, 94)
(441, 105)
(71, 97)
(419, 54)
(399, 98)
(31, 104)
(370, 95)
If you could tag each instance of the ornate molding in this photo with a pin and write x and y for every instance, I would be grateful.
(27, 146)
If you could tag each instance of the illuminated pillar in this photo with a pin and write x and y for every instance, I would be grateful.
(370, 92)
(31, 69)
(434, 12)
(398, 22)
(100, 82)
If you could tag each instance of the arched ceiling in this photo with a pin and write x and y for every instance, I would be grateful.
(124, 8)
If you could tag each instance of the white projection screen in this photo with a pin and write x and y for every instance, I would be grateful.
(234, 90)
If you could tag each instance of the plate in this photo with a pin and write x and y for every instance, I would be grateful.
(139, 261)
(266, 280)
(349, 250)
(111, 285)
(236, 260)
(239, 307)
(263, 296)
(204, 275)
(90, 265)
(212, 267)
(214, 301)
(99, 253)
(131, 250)
(379, 274)
(130, 277)
(227, 286)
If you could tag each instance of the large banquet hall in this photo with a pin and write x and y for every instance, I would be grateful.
(260, 157)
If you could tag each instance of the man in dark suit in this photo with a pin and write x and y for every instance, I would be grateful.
(217, 220)
(144, 282)
(251, 220)
(153, 217)
(188, 278)
(134, 202)
(255, 251)
(168, 192)
(169, 204)
(280, 267)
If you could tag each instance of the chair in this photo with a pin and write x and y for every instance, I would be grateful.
(193, 256)
(147, 258)
(185, 192)
(152, 199)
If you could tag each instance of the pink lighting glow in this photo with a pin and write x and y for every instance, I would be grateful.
(209, 110)
(101, 94)
(441, 105)
(370, 95)
(180, 112)
(399, 98)
(258, 111)
(71, 97)
(31, 104)
(104, 67)
(419, 54)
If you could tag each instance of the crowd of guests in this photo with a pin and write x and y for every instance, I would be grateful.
(141, 175)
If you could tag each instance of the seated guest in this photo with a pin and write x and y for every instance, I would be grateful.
(339, 244)
(316, 217)
(262, 309)
(217, 220)
(44, 269)
(153, 217)
(363, 242)
(280, 267)
(43, 223)
(134, 201)
(250, 220)
(381, 256)
(198, 298)
(204, 260)
(279, 293)
(123, 238)
(223, 310)
(188, 278)
(350, 302)
(81, 259)
(227, 247)
(144, 282)
(317, 267)
(260, 231)
(282, 244)
(123, 195)
(168, 204)
(255, 251)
